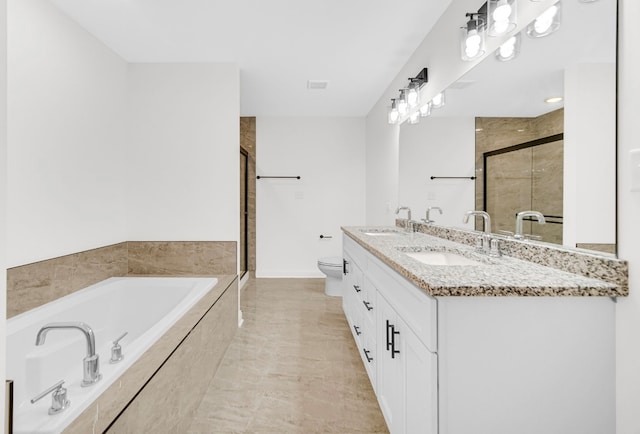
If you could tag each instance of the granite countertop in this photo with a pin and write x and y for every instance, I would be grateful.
(503, 276)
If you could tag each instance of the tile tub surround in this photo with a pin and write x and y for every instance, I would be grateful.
(505, 276)
(584, 263)
(147, 371)
(32, 285)
(181, 258)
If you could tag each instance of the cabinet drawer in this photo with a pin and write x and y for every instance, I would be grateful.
(355, 251)
(417, 309)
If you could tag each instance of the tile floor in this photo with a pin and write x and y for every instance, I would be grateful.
(292, 368)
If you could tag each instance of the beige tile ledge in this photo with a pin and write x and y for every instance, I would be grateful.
(505, 276)
(99, 415)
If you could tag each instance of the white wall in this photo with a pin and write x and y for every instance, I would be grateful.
(183, 153)
(65, 141)
(589, 164)
(382, 165)
(3, 199)
(628, 309)
(438, 146)
(328, 153)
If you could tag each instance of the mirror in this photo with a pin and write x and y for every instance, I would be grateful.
(527, 154)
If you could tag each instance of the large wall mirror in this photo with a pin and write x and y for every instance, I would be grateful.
(558, 158)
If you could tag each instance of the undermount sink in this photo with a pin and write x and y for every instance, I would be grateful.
(441, 258)
(381, 232)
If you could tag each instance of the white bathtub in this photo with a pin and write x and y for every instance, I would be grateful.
(145, 307)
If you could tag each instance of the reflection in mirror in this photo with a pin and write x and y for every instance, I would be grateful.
(497, 123)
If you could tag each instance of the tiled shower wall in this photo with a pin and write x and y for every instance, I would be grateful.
(519, 168)
(248, 143)
(32, 285)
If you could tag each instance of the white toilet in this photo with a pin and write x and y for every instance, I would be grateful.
(332, 268)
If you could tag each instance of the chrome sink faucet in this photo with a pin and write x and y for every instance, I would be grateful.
(427, 219)
(520, 217)
(484, 242)
(409, 227)
(485, 215)
(91, 363)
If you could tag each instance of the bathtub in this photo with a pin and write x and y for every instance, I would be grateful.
(144, 307)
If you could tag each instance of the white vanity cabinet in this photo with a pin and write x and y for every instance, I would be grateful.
(482, 365)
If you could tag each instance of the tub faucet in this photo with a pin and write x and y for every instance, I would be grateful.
(409, 227)
(520, 217)
(91, 363)
(427, 219)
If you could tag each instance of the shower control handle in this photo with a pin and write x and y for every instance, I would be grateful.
(116, 350)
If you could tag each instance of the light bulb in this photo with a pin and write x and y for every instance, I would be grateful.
(472, 44)
(412, 97)
(414, 118)
(393, 116)
(509, 49)
(544, 21)
(425, 110)
(438, 100)
(502, 11)
(403, 107)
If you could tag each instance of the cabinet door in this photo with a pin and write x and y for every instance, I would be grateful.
(390, 378)
(420, 371)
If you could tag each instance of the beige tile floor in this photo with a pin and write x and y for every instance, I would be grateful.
(292, 368)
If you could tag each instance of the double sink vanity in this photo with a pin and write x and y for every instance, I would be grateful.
(459, 342)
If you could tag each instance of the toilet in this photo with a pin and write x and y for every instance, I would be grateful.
(332, 268)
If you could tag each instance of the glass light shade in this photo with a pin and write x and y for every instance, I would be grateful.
(393, 114)
(414, 118)
(472, 40)
(425, 110)
(403, 106)
(547, 23)
(501, 16)
(509, 49)
(412, 95)
(438, 100)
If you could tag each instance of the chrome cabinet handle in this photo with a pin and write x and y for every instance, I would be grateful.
(357, 288)
(367, 305)
(357, 329)
(344, 266)
(366, 354)
(388, 340)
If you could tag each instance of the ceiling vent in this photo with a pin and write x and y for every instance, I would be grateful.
(461, 84)
(317, 84)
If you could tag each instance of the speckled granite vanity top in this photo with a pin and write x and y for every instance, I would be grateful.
(480, 276)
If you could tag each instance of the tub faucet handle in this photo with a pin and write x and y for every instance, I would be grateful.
(59, 401)
(116, 350)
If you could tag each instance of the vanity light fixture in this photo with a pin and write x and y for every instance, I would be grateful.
(509, 49)
(501, 16)
(393, 115)
(547, 23)
(438, 101)
(472, 36)
(415, 83)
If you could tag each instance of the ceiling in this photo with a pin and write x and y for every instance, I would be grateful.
(358, 46)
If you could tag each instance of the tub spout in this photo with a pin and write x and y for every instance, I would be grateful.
(91, 363)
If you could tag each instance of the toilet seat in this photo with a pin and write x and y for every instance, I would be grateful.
(331, 261)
